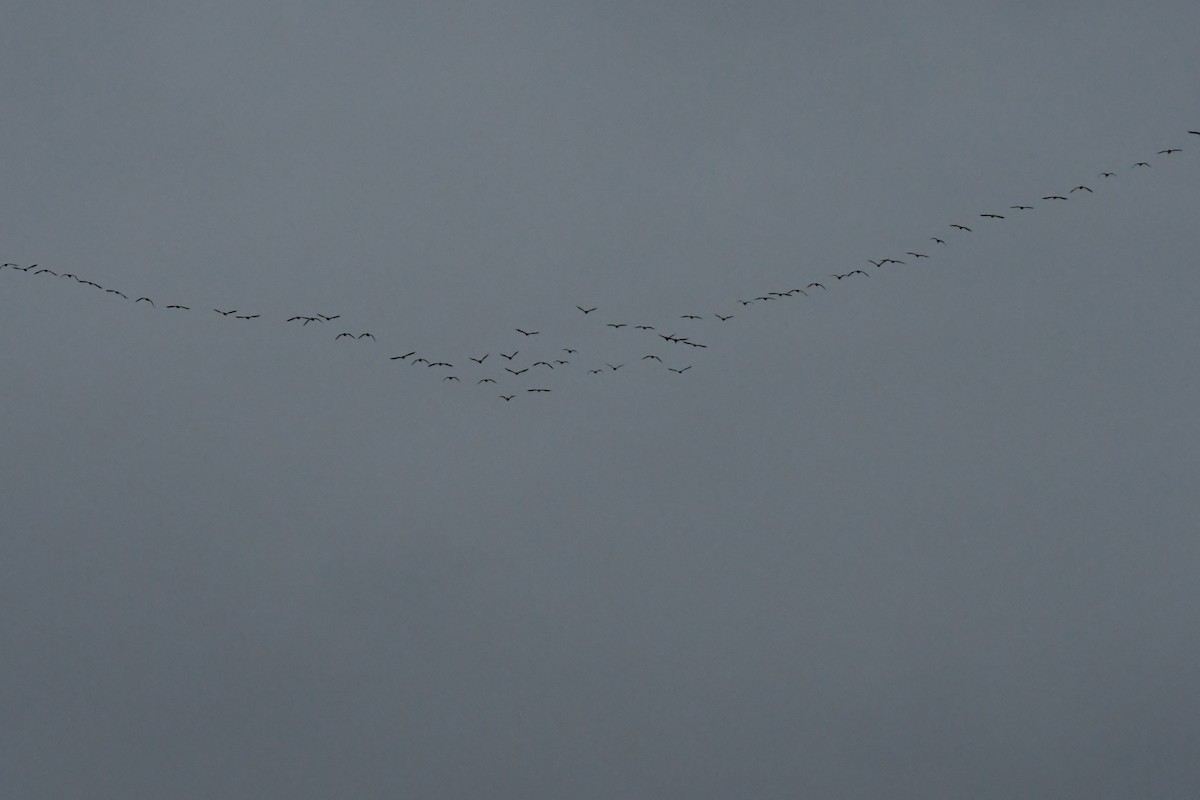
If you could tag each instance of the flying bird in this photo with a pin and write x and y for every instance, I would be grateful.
(507, 397)
(1054, 197)
(746, 302)
(644, 327)
(935, 239)
(406, 355)
(528, 333)
(569, 351)
(961, 228)
(1081, 188)
(617, 325)
(449, 378)
(1106, 174)
(1168, 151)
(819, 285)
(992, 216)
(510, 357)
(1021, 208)
(537, 390)
(917, 255)
(595, 371)
(724, 319)
(543, 364)
(114, 291)
(256, 316)
(587, 310)
(1140, 164)
(680, 371)
(516, 371)
(183, 308)
(227, 313)
(656, 358)
(52, 272)
(328, 319)
(485, 380)
(343, 333)
(614, 369)
(479, 360)
(360, 336)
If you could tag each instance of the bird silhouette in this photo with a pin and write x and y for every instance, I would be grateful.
(479, 360)
(370, 336)
(114, 291)
(1106, 174)
(569, 351)
(485, 380)
(507, 397)
(328, 318)
(542, 364)
(449, 378)
(1168, 151)
(1140, 164)
(680, 371)
(528, 333)
(516, 371)
(644, 327)
(1081, 188)
(935, 239)
(1021, 208)
(961, 228)
(992, 216)
(182, 308)
(817, 285)
(343, 333)
(691, 316)
(614, 369)
(256, 316)
(617, 325)
(406, 355)
(724, 319)
(227, 313)
(656, 358)
(587, 310)
(537, 390)
(1054, 197)
(917, 255)
(512, 356)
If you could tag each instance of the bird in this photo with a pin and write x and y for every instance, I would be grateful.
(256, 316)
(569, 351)
(587, 310)
(293, 319)
(419, 360)
(114, 291)
(839, 277)
(479, 360)
(935, 239)
(746, 302)
(560, 362)
(406, 355)
(644, 327)
(1195, 133)
(516, 371)
(485, 380)
(691, 316)
(858, 272)
(1168, 151)
(724, 319)
(537, 390)
(1081, 188)
(227, 313)
(182, 308)
(543, 364)
(818, 285)
(507, 397)
(878, 263)
(616, 325)
(1021, 208)
(1140, 164)
(680, 371)
(449, 378)
(1054, 197)
(961, 228)
(890, 261)
(327, 318)
(917, 255)
(52, 272)
(992, 216)
(343, 333)
(528, 333)
(510, 357)
(595, 371)
(656, 358)
(614, 369)
(696, 344)
(361, 335)
(1106, 174)
(439, 364)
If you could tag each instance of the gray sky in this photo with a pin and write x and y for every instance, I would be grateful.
(930, 534)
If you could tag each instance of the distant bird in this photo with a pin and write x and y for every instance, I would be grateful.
(182, 308)
(52, 272)
(680, 371)
(1081, 188)
(516, 371)
(1168, 151)
(1106, 174)
(1054, 197)
(329, 319)
(696, 344)
(512, 356)
(293, 319)
(691, 316)
(614, 369)
(507, 397)
(1021, 208)
(569, 351)
(147, 299)
(543, 364)
(528, 333)
(839, 277)
(537, 390)
(419, 360)
(746, 302)
(917, 255)
(450, 378)
(595, 371)
(889, 261)
(587, 310)
(406, 355)
(992, 216)
(765, 297)
(479, 360)
(656, 358)
(617, 325)
(256, 316)
(371, 336)
(227, 313)
(644, 327)
(858, 272)
(962, 228)
(485, 380)
(439, 364)
(1140, 164)
(818, 285)
(114, 291)
(878, 263)
(560, 362)
(343, 333)
(935, 239)
(724, 319)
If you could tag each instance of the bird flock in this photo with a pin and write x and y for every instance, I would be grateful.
(536, 358)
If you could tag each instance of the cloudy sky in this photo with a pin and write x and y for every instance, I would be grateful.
(929, 532)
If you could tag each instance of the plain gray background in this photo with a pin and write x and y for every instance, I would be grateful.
(928, 535)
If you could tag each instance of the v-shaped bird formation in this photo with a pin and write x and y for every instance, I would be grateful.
(545, 363)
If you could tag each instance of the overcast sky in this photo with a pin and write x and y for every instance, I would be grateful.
(929, 532)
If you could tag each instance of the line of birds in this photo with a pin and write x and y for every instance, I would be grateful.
(554, 362)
